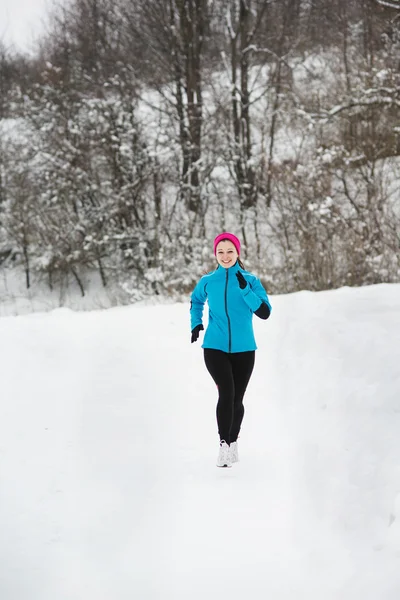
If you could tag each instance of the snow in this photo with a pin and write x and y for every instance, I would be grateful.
(393, 4)
(108, 444)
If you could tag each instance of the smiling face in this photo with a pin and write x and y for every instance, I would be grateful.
(226, 254)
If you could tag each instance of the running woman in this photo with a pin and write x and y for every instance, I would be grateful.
(233, 295)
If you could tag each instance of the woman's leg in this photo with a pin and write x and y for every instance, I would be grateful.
(219, 366)
(242, 368)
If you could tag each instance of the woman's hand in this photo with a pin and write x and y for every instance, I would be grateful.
(241, 280)
(195, 333)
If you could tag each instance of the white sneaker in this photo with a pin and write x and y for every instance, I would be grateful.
(234, 452)
(224, 456)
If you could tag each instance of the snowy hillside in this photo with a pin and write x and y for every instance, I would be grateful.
(108, 484)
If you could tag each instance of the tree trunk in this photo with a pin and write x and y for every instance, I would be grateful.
(26, 263)
(79, 282)
(187, 26)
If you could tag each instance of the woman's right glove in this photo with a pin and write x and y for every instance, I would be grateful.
(195, 333)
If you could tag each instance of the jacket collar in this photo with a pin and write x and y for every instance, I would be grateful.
(221, 271)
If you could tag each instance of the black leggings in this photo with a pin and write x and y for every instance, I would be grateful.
(231, 373)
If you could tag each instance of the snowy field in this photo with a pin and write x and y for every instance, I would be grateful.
(108, 483)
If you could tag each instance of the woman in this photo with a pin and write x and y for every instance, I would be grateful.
(233, 295)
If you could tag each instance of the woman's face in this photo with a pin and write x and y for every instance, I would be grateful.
(226, 254)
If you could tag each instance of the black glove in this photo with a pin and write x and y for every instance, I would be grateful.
(241, 280)
(195, 333)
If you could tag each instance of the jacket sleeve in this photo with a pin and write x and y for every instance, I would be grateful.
(255, 295)
(197, 301)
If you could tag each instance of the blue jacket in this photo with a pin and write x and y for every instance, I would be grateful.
(230, 319)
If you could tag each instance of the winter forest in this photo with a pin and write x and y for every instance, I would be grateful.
(139, 129)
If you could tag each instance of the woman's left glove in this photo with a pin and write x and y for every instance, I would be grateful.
(241, 280)
(195, 333)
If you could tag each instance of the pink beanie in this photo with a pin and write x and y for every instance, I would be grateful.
(227, 236)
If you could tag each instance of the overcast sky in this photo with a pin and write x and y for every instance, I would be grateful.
(21, 21)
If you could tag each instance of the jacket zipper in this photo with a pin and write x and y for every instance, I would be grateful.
(227, 315)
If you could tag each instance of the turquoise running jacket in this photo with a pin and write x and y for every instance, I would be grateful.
(230, 314)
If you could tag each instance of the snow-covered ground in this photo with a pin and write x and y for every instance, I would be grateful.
(108, 483)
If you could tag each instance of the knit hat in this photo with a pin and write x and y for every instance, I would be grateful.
(227, 236)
